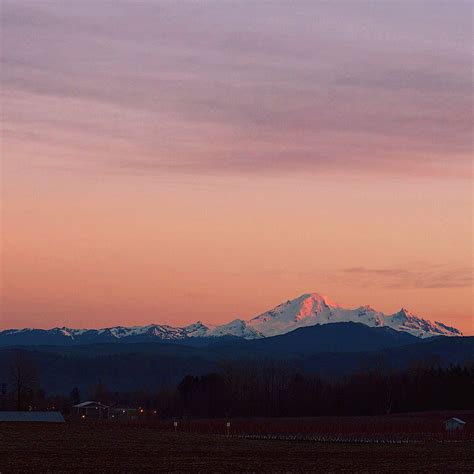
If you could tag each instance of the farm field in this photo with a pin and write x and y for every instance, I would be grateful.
(415, 427)
(136, 447)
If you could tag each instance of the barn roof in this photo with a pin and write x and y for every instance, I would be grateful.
(89, 404)
(457, 420)
(32, 416)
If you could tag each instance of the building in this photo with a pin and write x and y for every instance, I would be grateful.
(454, 424)
(31, 416)
(91, 409)
(123, 413)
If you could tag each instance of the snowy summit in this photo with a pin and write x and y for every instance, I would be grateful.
(307, 310)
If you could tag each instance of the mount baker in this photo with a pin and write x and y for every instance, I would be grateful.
(307, 310)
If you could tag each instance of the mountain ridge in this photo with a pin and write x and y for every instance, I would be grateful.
(309, 309)
(332, 351)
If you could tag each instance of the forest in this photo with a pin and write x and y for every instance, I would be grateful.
(263, 387)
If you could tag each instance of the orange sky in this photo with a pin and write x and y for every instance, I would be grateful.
(210, 164)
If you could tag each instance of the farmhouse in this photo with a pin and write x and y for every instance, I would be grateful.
(31, 416)
(454, 424)
(123, 412)
(91, 409)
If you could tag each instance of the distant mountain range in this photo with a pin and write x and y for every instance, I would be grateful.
(307, 310)
(330, 350)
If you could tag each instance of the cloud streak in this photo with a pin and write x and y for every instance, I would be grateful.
(423, 277)
(242, 88)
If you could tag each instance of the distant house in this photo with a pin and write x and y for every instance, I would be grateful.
(31, 416)
(91, 409)
(454, 424)
(123, 412)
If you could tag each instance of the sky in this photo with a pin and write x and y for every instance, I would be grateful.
(167, 162)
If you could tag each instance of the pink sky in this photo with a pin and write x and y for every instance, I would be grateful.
(173, 161)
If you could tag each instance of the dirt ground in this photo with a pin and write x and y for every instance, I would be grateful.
(83, 447)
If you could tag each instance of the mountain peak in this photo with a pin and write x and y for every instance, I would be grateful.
(404, 313)
(321, 299)
(309, 309)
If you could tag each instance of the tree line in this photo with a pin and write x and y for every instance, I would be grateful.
(269, 388)
(265, 387)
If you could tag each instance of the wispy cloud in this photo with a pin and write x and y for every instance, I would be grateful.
(241, 87)
(424, 276)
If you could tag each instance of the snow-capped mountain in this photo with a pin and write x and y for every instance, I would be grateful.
(306, 310)
(310, 309)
